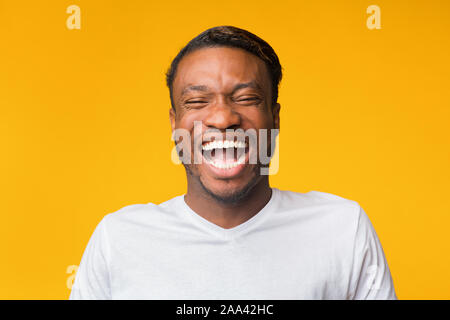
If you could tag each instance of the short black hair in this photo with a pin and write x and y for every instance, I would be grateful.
(229, 36)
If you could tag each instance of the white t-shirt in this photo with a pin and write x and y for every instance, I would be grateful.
(312, 245)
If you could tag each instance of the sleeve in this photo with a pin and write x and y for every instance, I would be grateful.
(371, 278)
(92, 281)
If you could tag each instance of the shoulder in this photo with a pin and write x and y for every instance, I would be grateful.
(326, 207)
(291, 199)
(139, 215)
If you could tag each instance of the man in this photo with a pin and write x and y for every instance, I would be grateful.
(232, 236)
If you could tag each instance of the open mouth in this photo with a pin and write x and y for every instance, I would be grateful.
(225, 154)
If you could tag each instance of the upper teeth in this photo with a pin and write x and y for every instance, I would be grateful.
(223, 144)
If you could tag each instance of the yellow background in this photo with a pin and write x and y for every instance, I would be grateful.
(84, 127)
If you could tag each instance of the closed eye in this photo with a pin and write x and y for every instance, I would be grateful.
(195, 104)
(248, 100)
(195, 101)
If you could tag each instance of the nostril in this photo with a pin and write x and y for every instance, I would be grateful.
(234, 127)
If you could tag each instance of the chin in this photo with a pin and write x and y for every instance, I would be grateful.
(230, 194)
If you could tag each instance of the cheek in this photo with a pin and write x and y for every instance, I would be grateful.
(258, 119)
(186, 119)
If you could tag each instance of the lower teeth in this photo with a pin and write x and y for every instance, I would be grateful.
(220, 165)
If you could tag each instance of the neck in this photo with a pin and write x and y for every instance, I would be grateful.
(228, 215)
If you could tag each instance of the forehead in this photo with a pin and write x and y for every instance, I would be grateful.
(219, 69)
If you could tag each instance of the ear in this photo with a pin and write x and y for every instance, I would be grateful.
(276, 116)
(172, 117)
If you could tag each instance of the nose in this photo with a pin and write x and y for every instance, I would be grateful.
(222, 116)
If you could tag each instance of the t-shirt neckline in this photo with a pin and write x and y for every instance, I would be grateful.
(232, 233)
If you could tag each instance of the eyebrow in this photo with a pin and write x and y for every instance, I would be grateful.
(239, 86)
(251, 84)
(194, 88)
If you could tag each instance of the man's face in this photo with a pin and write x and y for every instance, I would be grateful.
(223, 88)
